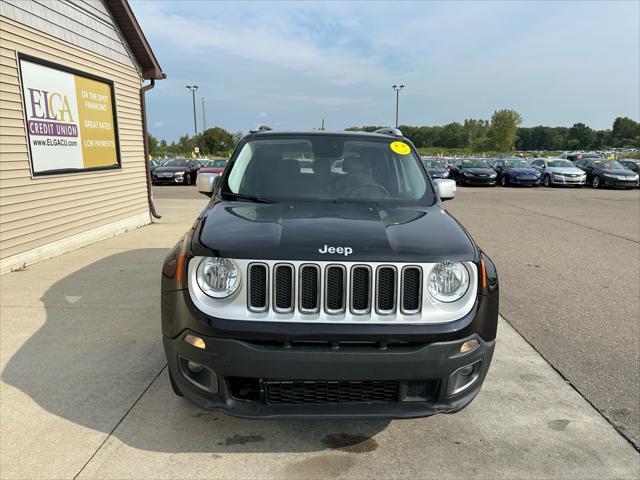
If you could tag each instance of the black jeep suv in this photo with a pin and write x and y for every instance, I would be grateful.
(326, 279)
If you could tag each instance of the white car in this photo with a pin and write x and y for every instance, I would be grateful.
(558, 171)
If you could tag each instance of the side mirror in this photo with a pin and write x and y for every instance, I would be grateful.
(446, 188)
(207, 183)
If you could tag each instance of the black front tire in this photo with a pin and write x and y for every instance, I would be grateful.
(546, 181)
(503, 181)
(187, 179)
(596, 182)
(174, 385)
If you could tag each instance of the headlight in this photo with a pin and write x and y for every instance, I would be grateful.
(493, 175)
(218, 277)
(445, 174)
(448, 281)
(178, 174)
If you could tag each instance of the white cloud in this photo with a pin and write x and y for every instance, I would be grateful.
(267, 38)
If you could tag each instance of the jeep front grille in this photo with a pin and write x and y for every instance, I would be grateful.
(334, 289)
(332, 292)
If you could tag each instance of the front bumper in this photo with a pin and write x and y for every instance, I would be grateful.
(469, 180)
(530, 182)
(235, 366)
(157, 180)
(564, 180)
(614, 182)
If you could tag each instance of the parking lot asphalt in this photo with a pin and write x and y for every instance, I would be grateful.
(85, 393)
(569, 267)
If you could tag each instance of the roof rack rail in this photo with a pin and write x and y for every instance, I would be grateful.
(260, 128)
(394, 132)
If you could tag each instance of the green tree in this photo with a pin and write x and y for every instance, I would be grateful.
(152, 142)
(625, 132)
(215, 140)
(452, 136)
(474, 131)
(581, 137)
(503, 130)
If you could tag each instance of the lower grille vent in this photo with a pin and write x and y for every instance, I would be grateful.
(324, 391)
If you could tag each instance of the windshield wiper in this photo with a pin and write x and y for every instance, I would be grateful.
(252, 198)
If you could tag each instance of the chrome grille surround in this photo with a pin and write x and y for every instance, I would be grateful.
(237, 306)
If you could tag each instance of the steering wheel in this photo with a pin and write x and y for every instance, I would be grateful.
(366, 185)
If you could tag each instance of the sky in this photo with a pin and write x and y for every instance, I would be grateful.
(291, 64)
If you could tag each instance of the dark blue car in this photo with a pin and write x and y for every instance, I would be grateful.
(516, 171)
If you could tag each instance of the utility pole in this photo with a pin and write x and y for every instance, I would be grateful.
(204, 117)
(193, 89)
(397, 88)
(322, 127)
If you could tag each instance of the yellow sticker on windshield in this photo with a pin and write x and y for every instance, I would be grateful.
(400, 148)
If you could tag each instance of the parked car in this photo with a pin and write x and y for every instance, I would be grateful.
(473, 171)
(153, 164)
(516, 171)
(437, 168)
(575, 156)
(178, 170)
(631, 164)
(349, 293)
(608, 173)
(492, 161)
(216, 165)
(558, 171)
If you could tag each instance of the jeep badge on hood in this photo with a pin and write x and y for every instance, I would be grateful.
(346, 251)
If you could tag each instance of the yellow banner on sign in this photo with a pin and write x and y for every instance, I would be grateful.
(96, 123)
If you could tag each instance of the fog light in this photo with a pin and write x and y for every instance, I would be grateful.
(195, 341)
(194, 367)
(469, 345)
(463, 378)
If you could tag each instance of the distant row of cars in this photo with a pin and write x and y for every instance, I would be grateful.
(183, 170)
(596, 172)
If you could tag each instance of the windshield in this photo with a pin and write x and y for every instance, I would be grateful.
(432, 163)
(218, 163)
(475, 163)
(516, 164)
(608, 164)
(560, 163)
(323, 168)
(178, 162)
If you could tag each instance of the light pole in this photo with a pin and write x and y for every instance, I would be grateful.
(397, 88)
(193, 89)
(204, 117)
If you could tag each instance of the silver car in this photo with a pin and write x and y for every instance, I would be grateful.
(558, 171)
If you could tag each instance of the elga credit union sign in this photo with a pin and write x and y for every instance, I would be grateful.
(70, 118)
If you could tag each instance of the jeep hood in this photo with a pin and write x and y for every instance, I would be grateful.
(299, 231)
